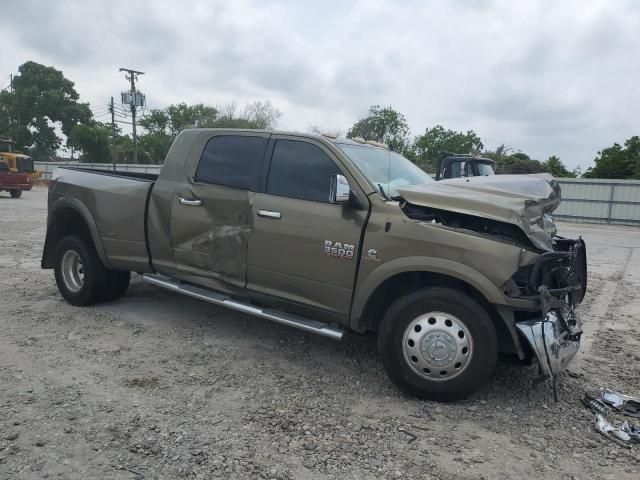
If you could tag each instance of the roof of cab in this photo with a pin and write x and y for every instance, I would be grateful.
(335, 140)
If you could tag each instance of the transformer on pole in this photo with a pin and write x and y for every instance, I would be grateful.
(134, 99)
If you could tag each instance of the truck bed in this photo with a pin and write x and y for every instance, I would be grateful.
(14, 181)
(117, 203)
(117, 173)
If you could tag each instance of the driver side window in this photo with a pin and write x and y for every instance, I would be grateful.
(300, 170)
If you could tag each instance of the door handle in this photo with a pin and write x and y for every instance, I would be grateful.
(192, 202)
(269, 214)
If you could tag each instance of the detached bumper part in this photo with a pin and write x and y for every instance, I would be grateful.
(552, 343)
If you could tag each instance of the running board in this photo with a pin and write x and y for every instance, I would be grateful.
(225, 301)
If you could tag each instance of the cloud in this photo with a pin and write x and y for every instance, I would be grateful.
(544, 77)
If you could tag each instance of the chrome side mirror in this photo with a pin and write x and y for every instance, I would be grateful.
(339, 191)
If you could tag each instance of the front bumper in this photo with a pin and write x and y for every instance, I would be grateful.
(560, 278)
(552, 342)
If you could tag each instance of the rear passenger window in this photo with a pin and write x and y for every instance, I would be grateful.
(232, 160)
(300, 170)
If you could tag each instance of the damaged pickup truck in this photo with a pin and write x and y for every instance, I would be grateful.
(329, 235)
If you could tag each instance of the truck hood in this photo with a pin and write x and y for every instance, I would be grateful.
(521, 200)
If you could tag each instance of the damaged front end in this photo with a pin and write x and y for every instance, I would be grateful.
(517, 210)
(560, 279)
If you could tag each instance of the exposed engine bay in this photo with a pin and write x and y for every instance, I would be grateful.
(493, 228)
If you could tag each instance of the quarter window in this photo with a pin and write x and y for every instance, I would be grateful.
(232, 160)
(300, 170)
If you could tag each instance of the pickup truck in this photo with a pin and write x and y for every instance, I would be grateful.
(457, 165)
(330, 235)
(12, 182)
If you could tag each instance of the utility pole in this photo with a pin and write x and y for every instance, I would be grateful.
(113, 134)
(136, 99)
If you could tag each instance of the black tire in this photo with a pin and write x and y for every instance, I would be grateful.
(483, 346)
(117, 284)
(15, 193)
(94, 273)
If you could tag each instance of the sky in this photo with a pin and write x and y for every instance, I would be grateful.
(543, 77)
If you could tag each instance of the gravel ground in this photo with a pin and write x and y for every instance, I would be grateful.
(156, 385)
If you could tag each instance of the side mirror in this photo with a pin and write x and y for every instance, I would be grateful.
(339, 191)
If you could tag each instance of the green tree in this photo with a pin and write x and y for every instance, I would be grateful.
(436, 139)
(93, 140)
(555, 167)
(175, 118)
(163, 125)
(153, 147)
(617, 161)
(41, 100)
(384, 125)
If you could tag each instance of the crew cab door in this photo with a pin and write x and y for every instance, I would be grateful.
(294, 223)
(212, 213)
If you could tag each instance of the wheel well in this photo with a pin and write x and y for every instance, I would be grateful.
(66, 221)
(403, 283)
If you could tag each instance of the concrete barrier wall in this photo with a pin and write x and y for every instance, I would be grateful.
(583, 200)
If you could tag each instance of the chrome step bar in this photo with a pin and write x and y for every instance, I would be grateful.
(290, 320)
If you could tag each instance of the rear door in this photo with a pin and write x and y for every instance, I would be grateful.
(212, 214)
(302, 247)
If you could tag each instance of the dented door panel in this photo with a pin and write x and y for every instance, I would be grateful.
(210, 240)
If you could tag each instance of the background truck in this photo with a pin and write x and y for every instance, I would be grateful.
(458, 165)
(17, 162)
(12, 182)
(329, 235)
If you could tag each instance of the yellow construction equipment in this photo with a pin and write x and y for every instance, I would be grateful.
(17, 162)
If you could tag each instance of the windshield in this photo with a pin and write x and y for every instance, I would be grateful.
(485, 168)
(385, 169)
(6, 146)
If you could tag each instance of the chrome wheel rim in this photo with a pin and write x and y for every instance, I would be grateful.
(437, 346)
(72, 271)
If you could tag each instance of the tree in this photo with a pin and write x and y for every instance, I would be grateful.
(41, 100)
(384, 125)
(433, 140)
(163, 125)
(617, 161)
(256, 115)
(94, 140)
(555, 167)
(171, 120)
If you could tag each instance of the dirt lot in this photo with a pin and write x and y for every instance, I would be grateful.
(160, 386)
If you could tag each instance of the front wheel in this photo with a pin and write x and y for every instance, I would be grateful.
(438, 344)
(15, 193)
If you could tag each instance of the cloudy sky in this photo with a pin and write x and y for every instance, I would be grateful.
(544, 77)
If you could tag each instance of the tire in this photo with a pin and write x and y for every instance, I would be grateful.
(82, 283)
(117, 284)
(15, 193)
(438, 344)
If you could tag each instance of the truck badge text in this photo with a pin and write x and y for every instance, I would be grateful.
(338, 249)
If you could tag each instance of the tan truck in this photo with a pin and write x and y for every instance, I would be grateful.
(334, 235)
